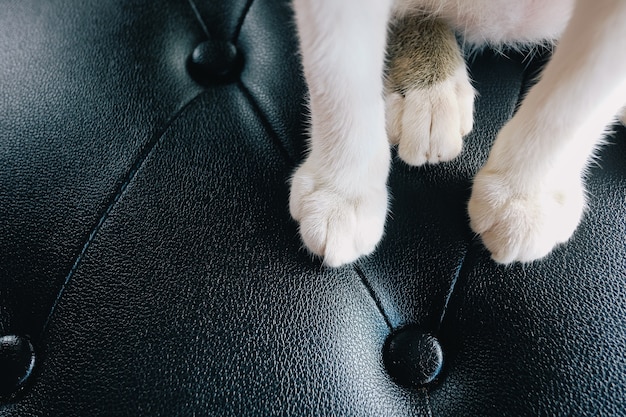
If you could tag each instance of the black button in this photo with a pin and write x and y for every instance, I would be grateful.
(17, 360)
(214, 61)
(412, 357)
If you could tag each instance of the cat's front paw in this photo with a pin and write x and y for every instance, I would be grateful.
(428, 122)
(336, 225)
(520, 225)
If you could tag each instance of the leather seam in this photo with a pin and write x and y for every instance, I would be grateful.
(368, 286)
(291, 162)
(266, 124)
(198, 16)
(242, 19)
(453, 284)
(120, 190)
(526, 79)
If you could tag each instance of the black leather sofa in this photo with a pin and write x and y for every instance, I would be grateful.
(149, 266)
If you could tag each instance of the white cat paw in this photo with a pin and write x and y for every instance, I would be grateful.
(428, 124)
(521, 226)
(336, 226)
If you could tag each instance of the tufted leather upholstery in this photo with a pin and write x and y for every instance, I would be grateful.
(147, 254)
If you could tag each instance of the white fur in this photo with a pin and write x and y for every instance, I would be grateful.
(529, 196)
(339, 194)
(497, 22)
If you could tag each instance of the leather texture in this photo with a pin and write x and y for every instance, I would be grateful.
(147, 253)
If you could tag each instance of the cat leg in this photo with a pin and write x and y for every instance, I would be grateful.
(429, 98)
(529, 196)
(339, 194)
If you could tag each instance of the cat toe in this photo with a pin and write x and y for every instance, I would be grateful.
(428, 123)
(341, 230)
(430, 127)
(337, 227)
(518, 226)
(394, 111)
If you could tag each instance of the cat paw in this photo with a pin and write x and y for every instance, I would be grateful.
(523, 226)
(336, 226)
(428, 123)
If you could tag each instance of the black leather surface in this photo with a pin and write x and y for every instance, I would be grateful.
(147, 251)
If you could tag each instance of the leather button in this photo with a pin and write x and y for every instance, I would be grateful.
(17, 360)
(413, 358)
(214, 61)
